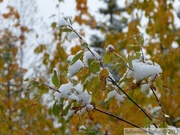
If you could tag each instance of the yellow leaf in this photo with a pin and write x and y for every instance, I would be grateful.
(103, 76)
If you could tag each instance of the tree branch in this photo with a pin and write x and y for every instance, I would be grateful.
(121, 119)
(131, 99)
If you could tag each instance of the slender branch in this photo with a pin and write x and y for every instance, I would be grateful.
(121, 119)
(160, 105)
(158, 100)
(54, 89)
(75, 32)
(131, 100)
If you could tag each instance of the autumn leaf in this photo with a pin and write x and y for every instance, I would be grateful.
(103, 76)
(55, 79)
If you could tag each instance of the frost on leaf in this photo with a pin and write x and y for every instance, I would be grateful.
(119, 97)
(88, 55)
(82, 127)
(75, 68)
(74, 94)
(62, 23)
(143, 70)
(145, 87)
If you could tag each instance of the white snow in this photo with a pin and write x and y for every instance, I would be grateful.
(156, 109)
(57, 96)
(145, 87)
(110, 48)
(88, 55)
(75, 68)
(72, 35)
(85, 98)
(74, 93)
(70, 113)
(82, 127)
(110, 95)
(66, 89)
(119, 97)
(62, 22)
(143, 70)
(70, 57)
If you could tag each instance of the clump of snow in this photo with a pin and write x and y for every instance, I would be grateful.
(145, 87)
(156, 109)
(119, 97)
(82, 127)
(110, 48)
(84, 98)
(65, 90)
(143, 70)
(62, 23)
(88, 55)
(74, 93)
(70, 113)
(174, 130)
(75, 68)
(72, 35)
(110, 95)
(70, 57)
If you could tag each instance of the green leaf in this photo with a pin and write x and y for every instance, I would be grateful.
(74, 82)
(84, 45)
(130, 61)
(55, 79)
(77, 57)
(138, 54)
(137, 91)
(1, 108)
(95, 67)
(65, 111)
(32, 85)
(67, 30)
(26, 80)
(107, 58)
(85, 76)
(90, 61)
(146, 122)
(96, 80)
(131, 95)
(57, 107)
(163, 125)
(117, 56)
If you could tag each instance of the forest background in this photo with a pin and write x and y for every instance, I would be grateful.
(32, 48)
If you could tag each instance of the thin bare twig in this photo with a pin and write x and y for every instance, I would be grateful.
(121, 119)
(160, 105)
(50, 87)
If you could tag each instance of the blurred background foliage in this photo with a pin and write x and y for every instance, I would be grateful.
(29, 111)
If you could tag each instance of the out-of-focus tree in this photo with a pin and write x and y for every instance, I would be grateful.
(21, 111)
